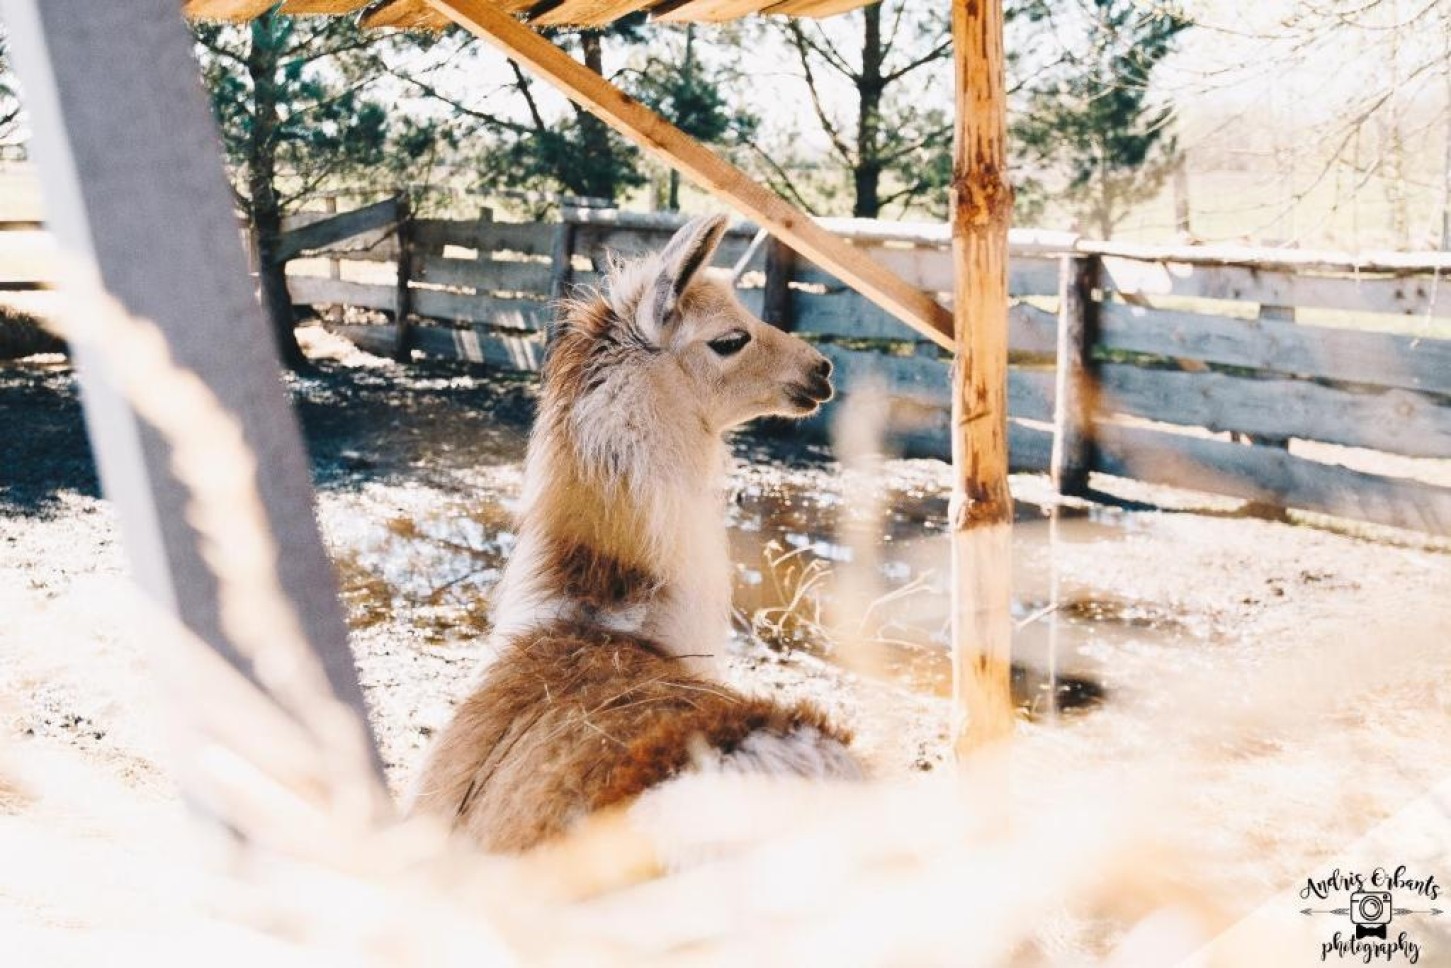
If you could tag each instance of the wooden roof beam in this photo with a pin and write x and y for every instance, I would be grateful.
(716, 175)
(238, 11)
(318, 8)
(405, 15)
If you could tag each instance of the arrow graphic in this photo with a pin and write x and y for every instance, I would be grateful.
(1399, 911)
(1332, 911)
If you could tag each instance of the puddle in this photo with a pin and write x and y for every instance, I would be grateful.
(438, 559)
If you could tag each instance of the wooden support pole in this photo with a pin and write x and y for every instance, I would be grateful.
(403, 295)
(113, 95)
(335, 314)
(489, 21)
(982, 508)
(1076, 389)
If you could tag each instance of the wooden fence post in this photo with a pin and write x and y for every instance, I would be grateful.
(335, 314)
(561, 254)
(776, 298)
(1075, 396)
(334, 264)
(403, 295)
(982, 507)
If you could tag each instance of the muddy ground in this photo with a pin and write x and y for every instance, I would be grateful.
(1285, 686)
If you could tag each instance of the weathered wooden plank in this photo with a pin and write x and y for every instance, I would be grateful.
(320, 235)
(525, 238)
(524, 353)
(1396, 421)
(1030, 391)
(405, 15)
(1032, 331)
(427, 303)
(845, 315)
(304, 8)
(666, 222)
(1384, 359)
(487, 310)
(719, 177)
(928, 436)
(815, 8)
(128, 156)
(485, 275)
(589, 13)
(709, 11)
(321, 291)
(931, 270)
(503, 351)
(379, 245)
(1271, 476)
(1407, 296)
(861, 231)
(1267, 258)
(231, 10)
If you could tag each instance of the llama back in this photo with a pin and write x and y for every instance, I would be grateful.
(570, 722)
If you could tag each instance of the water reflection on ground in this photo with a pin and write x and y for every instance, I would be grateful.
(438, 556)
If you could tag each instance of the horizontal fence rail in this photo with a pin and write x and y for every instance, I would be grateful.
(1304, 380)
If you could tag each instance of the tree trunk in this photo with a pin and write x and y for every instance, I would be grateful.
(600, 182)
(867, 173)
(1182, 226)
(266, 204)
(687, 63)
(982, 507)
(1104, 213)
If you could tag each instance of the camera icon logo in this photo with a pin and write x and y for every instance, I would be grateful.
(1371, 912)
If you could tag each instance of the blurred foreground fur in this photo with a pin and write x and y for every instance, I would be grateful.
(1096, 867)
(616, 601)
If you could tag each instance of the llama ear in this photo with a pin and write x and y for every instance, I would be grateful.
(689, 251)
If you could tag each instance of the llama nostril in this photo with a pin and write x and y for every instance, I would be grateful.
(823, 369)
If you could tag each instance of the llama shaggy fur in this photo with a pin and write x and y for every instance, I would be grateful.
(616, 601)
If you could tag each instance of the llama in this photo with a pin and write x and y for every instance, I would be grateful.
(616, 600)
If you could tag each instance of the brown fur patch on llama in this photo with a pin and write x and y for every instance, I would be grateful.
(570, 722)
(596, 579)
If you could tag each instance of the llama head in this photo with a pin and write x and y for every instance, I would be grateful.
(668, 343)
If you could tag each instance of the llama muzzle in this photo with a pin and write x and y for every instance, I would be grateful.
(815, 390)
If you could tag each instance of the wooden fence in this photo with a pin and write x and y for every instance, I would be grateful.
(1220, 370)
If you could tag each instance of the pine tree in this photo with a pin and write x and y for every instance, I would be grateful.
(891, 144)
(680, 81)
(576, 153)
(292, 99)
(1090, 129)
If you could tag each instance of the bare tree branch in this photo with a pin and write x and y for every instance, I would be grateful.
(827, 125)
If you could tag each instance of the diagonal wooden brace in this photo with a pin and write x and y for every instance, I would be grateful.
(725, 181)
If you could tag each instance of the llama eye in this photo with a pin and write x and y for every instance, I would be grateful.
(731, 343)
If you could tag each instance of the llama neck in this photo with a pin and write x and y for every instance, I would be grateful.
(636, 547)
